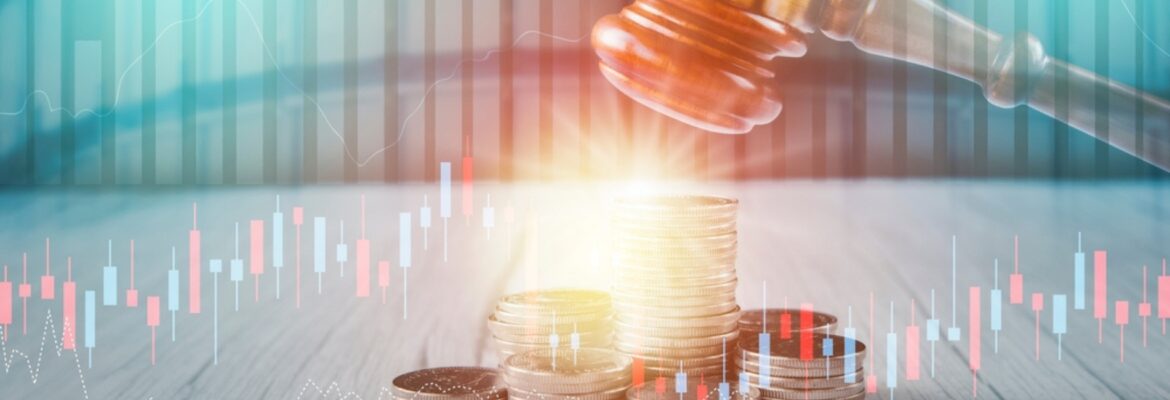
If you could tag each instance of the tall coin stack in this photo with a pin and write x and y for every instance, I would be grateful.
(674, 287)
(584, 374)
(547, 319)
(797, 369)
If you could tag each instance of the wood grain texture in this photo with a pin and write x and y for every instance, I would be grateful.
(830, 244)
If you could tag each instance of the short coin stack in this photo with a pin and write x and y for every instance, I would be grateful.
(584, 374)
(674, 286)
(462, 383)
(786, 375)
(547, 319)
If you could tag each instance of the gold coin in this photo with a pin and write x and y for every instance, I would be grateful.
(678, 311)
(550, 319)
(727, 319)
(636, 351)
(599, 325)
(587, 365)
(554, 300)
(652, 203)
(709, 341)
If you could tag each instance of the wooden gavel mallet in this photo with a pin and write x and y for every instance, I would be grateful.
(707, 63)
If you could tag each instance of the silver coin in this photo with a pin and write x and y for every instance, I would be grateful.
(660, 261)
(673, 332)
(609, 394)
(587, 365)
(564, 301)
(679, 312)
(517, 348)
(556, 387)
(598, 325)
(635, 241)
(689, 362)
(562, 338)
(787, 352)
(676, 250)
(726, 319)
(635, 282)
(651, 228)
(669, 292)
(647, 300)
(676, 204)
(450, 383)
(707, 341)
(549, 319)
(813, 370)
(665, 388)
(636, 351)
(812, 381)
(754, 321)
(844, 392)
(717, 370)
(659, 273)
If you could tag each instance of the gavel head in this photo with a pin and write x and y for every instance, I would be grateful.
(703, 62)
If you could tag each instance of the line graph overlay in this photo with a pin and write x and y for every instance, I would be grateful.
(11, 356)
(268, 53)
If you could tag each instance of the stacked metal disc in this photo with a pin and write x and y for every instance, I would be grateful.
(753, 322)
(583, 374)
(698, 388)
(545, 319)
(674, 286)
(464, 383)
(797, 368)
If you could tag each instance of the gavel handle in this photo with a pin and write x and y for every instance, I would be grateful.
(1136, 123)
(1012, 71)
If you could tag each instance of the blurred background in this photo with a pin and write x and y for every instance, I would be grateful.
(224, 92)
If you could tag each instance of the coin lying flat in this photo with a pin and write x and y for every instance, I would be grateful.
(450, 383)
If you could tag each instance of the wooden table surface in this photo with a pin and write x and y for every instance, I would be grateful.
(836, 245)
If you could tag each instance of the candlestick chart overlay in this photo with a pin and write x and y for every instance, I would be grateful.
(305, 199)
(199, 289)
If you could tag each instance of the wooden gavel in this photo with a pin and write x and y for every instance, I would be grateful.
(707, 63)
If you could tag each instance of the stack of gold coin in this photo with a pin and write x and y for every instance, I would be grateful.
(798, 368)
(463, 383)
(582, 374)
(674, 286)
(698, 388)
(548, 319)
